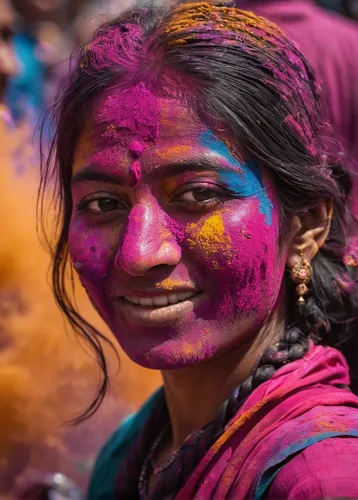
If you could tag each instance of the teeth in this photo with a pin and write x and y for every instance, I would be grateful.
(146, 301)
(161, 300)
(173, 298)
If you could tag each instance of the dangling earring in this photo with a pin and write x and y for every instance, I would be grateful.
(301, 274)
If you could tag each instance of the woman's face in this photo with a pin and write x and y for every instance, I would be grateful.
(174, 238)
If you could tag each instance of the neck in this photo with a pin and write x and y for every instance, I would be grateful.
(195, 394)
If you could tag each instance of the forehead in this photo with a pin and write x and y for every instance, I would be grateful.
(138, 114)
(126, 124)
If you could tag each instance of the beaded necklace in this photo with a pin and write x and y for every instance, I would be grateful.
(149, 466)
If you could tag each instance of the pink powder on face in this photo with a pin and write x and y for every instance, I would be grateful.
(131, 117)
(136, 148)
(227, 254)
(135, 173)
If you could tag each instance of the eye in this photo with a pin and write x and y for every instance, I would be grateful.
(102, 205)
(198, 194)
(200, 197)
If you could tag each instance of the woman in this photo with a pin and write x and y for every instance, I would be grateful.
(207, 221)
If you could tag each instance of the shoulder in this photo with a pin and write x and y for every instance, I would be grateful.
(305, 450)
(115, 451)
(325, 469)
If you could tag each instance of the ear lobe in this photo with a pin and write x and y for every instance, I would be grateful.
(309, 232)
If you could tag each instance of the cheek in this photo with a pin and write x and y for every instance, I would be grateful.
(255, 269)
(239, 251)
(91, 253)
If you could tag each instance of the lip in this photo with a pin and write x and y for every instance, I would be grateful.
(158, 315)
(156, 292)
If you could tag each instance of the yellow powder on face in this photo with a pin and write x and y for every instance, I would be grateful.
(210, 238)
(192, 349)
(170, 284)
(175, 151)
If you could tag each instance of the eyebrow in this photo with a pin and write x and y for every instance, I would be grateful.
(93, 172)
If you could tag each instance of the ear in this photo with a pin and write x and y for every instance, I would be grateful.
(309, 232)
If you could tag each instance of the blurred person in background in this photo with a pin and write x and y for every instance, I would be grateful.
(48, 32)
(330, 43)
(352, 8)
(8, 61)
(336, 5)
(40, 44)
(347, 8)
(93, 14)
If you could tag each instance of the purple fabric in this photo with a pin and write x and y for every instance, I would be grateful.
(300, 406)
(330, 43)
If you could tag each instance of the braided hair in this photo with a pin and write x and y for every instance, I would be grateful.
(249, 76)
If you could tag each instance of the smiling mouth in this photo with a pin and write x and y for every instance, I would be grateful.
(160, 300)
(159, 310)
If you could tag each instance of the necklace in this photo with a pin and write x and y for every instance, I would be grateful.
(149, 463)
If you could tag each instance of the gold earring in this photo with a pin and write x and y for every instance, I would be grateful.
(301, 274)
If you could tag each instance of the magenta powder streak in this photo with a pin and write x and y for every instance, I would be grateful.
(132, 117)
(135, 173)
(136, 148)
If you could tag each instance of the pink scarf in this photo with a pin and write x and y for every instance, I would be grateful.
(299, 406)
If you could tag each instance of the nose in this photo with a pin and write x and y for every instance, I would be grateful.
(147, 241)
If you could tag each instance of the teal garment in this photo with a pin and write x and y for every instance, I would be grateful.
(102, 485)
(26, 89)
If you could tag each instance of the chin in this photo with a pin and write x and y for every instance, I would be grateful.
(171, 354)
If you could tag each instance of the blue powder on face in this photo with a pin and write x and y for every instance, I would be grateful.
(247, 181)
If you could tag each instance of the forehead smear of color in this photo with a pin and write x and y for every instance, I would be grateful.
(246, 181)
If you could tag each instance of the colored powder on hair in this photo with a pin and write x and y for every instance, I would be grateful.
(257, 37)
(246, 181)
(228, 19)
(113, 47)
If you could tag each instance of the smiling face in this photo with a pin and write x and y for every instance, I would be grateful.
(174, 238)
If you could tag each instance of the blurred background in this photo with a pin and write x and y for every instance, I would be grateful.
(47, 31)
(46, 375)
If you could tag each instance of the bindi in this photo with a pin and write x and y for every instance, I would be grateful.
(135, 149)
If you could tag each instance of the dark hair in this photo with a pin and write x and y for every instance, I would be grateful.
(242, 72)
